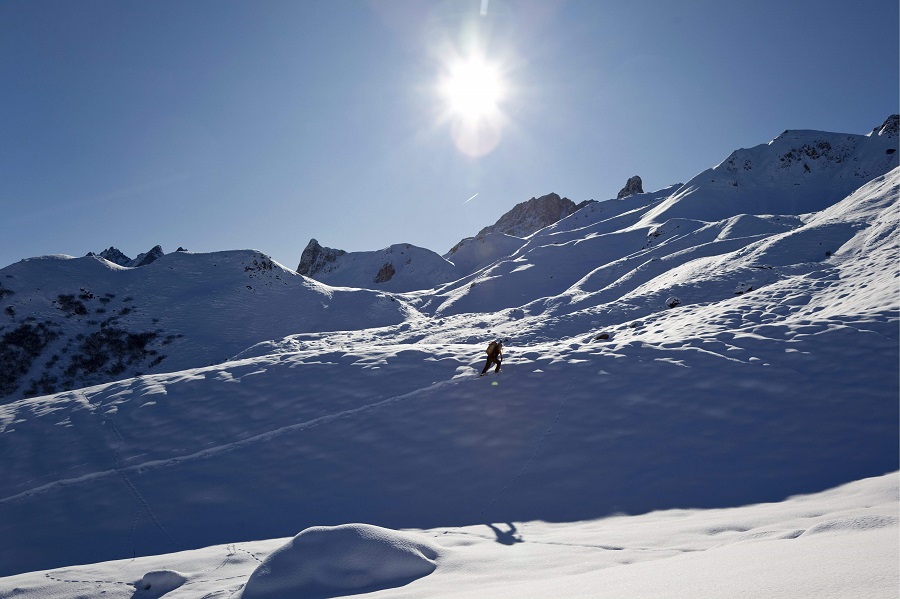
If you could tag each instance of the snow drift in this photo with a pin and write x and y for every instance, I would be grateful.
(322, 561)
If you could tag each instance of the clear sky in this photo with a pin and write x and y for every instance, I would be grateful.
(221, 124)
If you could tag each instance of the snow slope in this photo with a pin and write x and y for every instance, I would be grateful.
(399, 267)
(188, 309)
(796, 173)
(839, 543)
(753, 194)
(474, 253)
(179, 316)
(405, 267)
(656, 461)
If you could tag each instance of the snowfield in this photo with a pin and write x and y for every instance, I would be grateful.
(838, 543)
(303, 440)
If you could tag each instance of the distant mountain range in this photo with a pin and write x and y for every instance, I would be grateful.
(69, 322)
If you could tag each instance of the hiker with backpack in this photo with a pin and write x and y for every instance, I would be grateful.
(494, 356)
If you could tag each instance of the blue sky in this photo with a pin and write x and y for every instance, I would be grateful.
(217, 124)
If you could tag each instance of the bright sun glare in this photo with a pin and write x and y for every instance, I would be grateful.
(473, 88)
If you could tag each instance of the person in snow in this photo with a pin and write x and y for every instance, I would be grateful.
(494, 356)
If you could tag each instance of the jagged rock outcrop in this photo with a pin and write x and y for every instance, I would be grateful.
(114, 255)
(890, 127)
(386, 273)
(535, 214)
(147, 258)
(316, 258)
(117, 257)
(632, 186)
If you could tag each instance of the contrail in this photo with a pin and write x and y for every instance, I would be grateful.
(484, 6)
(470, 199)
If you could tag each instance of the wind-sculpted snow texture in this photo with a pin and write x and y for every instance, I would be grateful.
(776, 375)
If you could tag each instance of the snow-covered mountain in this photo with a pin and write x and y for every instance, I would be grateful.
(400, 267)
(679, 366)
(798, 172)
(72, 322)
(405, 267)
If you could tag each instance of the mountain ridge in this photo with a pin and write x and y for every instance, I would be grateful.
(378, 269)
(279, 403)
(78, 318)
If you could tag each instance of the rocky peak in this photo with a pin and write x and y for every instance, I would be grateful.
(115, 256)
(632, 186)
(535, 214)
(889, 128)
(148, 257)
(316, 258)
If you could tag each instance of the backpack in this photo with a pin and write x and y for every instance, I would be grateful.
(491, 348)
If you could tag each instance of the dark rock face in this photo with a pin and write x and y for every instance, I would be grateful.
(151, 256)
(385, 273)
(533, 215)
(316, 258)
(890, 127)
(632, 186)
(115, 256)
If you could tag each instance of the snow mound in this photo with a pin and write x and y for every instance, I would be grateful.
(158, 582)
(350, 557)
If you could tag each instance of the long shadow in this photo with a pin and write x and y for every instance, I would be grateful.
(508, 537)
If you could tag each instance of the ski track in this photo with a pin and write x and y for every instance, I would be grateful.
(220, 449)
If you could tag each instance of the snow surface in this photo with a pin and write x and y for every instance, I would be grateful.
(411, 267)
(201, 308)
(666, 459)
(838, 543)
(350, 557)
(474, 253)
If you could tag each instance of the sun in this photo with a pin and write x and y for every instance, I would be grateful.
(473, 92)
(473, 89)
